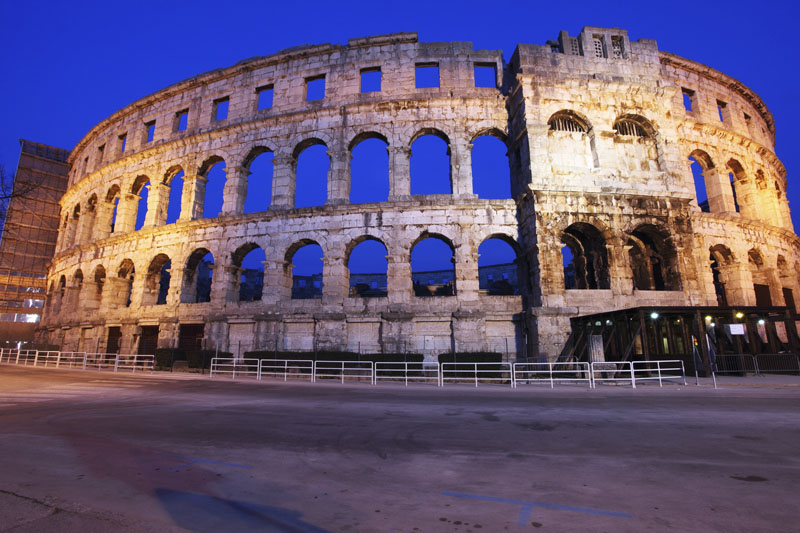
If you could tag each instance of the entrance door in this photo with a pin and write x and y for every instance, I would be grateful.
(148, 342)
(113, 340)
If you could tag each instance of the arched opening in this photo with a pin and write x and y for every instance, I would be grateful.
(570, 143)
(259, 183)
(157, 281)
(112, 198)
(369, 169)
(430, 163)
(77, 288)
(305, 259)
(249, 283)
(197, 277)
(94, 297)
(174, 178)
(72, 228)
(213, 169)
(700, 164)
(635, 143)
(497, 268)
(312, 167)
(367, 266)
(126, 273)
(141, 187)
(62, 290)
(737, 179)
(721, 258)
(653, 260)
(755, 262)
(584, 257)
(433, 266)
(491, 174)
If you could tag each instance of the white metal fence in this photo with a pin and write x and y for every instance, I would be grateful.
(408, 372)
(286, 369)
(613, 371)
(552, 373)
(669, 370)
(476, 373)
(345, 370)
(78, 360)
(227, 366)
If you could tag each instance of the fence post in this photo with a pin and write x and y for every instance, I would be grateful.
(17, 360)
(550, 366)
(658, 366)
(755, 365)
(633, 375)
(84, 360)
(116, 363)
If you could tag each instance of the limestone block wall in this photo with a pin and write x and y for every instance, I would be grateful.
(598, 139)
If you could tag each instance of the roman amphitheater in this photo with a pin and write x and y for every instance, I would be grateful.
(604, 211)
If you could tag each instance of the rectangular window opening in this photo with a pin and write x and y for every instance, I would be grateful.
(181, 120)
(150, 131)
(315, 88)
(617, 47)
(485, 75)
(371, 80)
(688, 98)
(123, 140)
(265, 94)
(597, 40)
(427, 75)
(747, 120)
(221, 108)
(721, 109)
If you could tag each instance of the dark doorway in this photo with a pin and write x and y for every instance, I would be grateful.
(113, 340)
(190, 337)
(148, 342)
(788, 297)
(763, 299)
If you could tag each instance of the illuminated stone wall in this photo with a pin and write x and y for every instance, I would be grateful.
(598, 143)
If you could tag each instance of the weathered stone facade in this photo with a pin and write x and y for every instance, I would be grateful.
(598, 139)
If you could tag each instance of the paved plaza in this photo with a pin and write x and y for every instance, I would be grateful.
(97, 451)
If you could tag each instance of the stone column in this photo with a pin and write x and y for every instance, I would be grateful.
(235, 190)
(739, 285)
(157, 204)
(102, 226)
(126, 213)
(89, 299)
(232, 282)
(284, 181)
(70, 233)
(277, 282)
(719, 192)
(399, 172)
(398, 278)
(747, 196)
(339, 177)
(619, 268)
(775, 287)
(334, 278)
(86, 227)
(461, 168)
(397, 332)
(192, 198)
(469, 331)
(465, 261)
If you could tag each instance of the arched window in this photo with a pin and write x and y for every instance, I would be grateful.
(567, 121)
(174, 179)
(700, 164)
(430, 163)
(721, 258)
(249, 284)
(761, 278)
(367, 265)
(141, 187)
(213, 169)
(369, 169)
(306, 264)
(312, 167)
(497, 268)
(259, 183)
(491, 174)
(112, 198)
(631, 127)
(126, 273)
(653, 259)
(157, 281)
(584, 257)
(432, 267)
(197, 277)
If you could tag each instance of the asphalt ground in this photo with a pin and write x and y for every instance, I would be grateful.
(98, 451)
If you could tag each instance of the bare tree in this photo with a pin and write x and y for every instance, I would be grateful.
(9, 189)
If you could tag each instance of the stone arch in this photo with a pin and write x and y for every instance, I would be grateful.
(312, 184)
(436, 132)
(738, 183)
(211, 186)
(367, 284)
(93, 299)
(61, 291)
(306, 143)
(722, 263)
(140, 187)
(585, 257)
(636, 144)
(254, 152)
(247, 282)
(430, 164)
(197, 277)
(499, 279)
(490, 168)
(490, 131)
(567, 120)
(368, 164)
(653, 259)
(429, 281)
(257, 178)
(705, 181)
(305, 283)
(157, 280)
(123, 295)
(87, 225)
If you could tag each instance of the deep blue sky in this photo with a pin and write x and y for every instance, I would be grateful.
(68, 65)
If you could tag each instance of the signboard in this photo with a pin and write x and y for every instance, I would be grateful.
(736, 329)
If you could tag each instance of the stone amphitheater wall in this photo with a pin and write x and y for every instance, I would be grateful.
(632, 189)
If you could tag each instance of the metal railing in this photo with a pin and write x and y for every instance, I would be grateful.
(77, 360)
(668, 370)
(419, 372)
(345, 370)
(286, 368)
(234, 367)
(552, 373)
(616, 371)
(476, 373)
